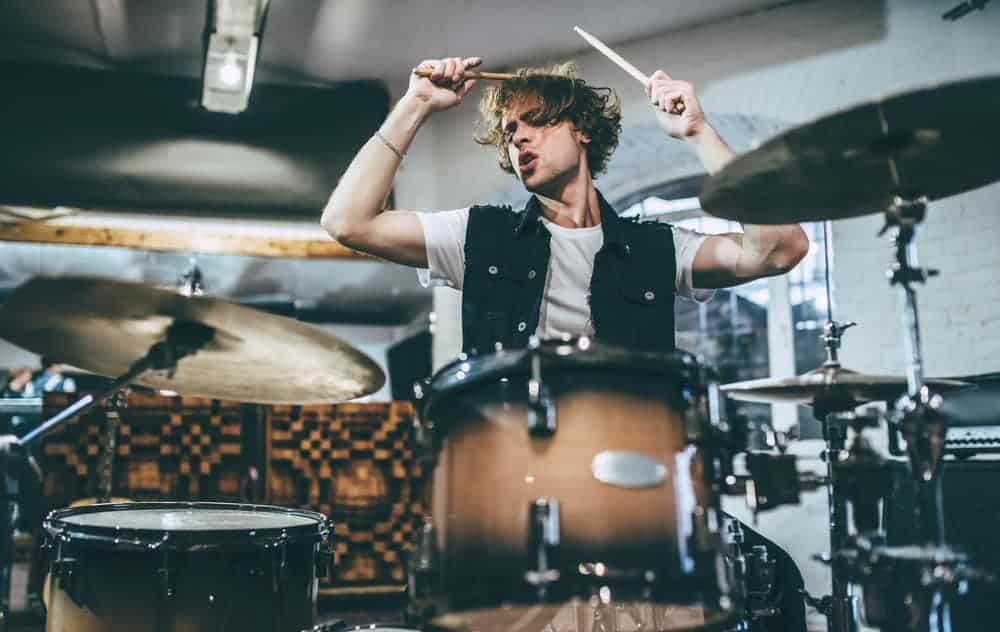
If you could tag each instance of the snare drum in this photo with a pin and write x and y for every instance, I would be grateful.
(569, 490)
(191, 567)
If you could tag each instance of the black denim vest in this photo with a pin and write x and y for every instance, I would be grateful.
(507, 260)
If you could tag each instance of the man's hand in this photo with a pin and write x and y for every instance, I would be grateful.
(665, 93)
(19, 378)
(445, 88)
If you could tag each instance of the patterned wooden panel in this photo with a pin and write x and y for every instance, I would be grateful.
(354, 463)
(168, 448)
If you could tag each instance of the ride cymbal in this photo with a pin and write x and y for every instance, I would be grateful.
(935, 142)
(251, 356)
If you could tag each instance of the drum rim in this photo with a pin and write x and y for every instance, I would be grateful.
(461, 374)
(57, 527)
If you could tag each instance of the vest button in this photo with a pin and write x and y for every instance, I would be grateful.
(493, 269)
(649, 295)
(532, 274)
(521, 326)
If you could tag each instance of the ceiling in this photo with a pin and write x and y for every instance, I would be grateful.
(314, 41)
(335, 40)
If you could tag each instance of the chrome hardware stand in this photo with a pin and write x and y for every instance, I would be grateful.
(544, 516)
(841, 606)
(183, 339)
(422, 580)
(914, 413)
(541, 420)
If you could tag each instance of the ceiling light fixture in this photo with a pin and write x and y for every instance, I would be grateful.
(234, 31)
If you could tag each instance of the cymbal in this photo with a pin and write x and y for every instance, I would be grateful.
(935, 142)
(830, 384)
(104, 326)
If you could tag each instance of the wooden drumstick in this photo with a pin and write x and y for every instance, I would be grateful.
(624, 65)
(425, 71)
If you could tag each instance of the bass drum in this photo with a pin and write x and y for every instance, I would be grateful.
(183, 567)
(571, 488)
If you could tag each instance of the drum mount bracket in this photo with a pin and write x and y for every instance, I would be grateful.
(541, 420)
(544, 516)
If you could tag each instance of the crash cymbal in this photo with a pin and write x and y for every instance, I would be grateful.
(830, 384)
(104, 326)
(935, 142)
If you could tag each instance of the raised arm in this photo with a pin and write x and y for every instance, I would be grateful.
(732, 258)
(354, 213)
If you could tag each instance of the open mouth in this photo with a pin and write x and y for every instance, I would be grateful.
(527, 161)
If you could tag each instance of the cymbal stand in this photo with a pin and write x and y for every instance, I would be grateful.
(191, 281)
(833, 331)
(183, 339)
(915, 411)
(841, 606)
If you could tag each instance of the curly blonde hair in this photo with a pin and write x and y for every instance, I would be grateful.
(552, 94)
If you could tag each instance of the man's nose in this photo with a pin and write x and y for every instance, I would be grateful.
(521, 135)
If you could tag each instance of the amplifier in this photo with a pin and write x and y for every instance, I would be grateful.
(972, 421)
(971, 491)
(974, 439)
(21, 406)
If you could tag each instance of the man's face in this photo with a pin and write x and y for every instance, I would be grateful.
(543, 156)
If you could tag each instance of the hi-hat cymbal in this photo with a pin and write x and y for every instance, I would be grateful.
(933, 142)
(104, 326)
(828, 384)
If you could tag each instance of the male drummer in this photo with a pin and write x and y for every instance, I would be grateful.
(566, 263)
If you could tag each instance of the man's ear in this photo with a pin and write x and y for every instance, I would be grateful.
(583, 137)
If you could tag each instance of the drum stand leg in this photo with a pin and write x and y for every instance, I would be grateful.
(6, 550)
(842, 607)
(915, 411)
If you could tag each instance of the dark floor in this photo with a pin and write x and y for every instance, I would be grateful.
(330, 610)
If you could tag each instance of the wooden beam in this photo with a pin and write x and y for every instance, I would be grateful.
(256, 238)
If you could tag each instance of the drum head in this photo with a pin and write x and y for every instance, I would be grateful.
(565, 356)
(184, 525)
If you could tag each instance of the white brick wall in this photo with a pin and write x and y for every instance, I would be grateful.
(959, 310)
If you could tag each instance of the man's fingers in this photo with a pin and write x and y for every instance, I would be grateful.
(674, 84)
(667, 100)
(436, 66)
(447, 70)
(671, 99)
(464, 89)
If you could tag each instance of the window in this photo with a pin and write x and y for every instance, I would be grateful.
(730, 331)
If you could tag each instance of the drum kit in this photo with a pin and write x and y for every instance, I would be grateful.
(572, 485)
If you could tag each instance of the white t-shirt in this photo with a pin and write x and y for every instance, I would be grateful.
(565, 308)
